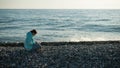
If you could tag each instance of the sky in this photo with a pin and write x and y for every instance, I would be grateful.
(59, 4)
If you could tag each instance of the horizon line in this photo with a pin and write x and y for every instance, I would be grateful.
(65, 8)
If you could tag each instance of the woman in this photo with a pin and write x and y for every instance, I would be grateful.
(30, 44)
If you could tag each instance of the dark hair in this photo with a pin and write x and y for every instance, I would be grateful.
(33, 31)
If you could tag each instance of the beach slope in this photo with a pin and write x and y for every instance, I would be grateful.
(93, 54)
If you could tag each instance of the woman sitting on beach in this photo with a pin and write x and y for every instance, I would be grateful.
(30, 44)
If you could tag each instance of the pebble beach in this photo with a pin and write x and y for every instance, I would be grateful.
(94, 54)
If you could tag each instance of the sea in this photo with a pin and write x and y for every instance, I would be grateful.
(59, 25)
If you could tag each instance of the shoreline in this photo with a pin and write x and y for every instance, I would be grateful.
(21, 44)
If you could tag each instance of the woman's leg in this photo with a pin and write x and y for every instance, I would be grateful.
(36, 46)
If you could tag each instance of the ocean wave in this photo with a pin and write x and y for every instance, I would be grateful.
(95, 20)
(115, 29)
(11, 20)
(60, 29)
(103, 20)
(9, 27)
(99, 28)
(6, 20)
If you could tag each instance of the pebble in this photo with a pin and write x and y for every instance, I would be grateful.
(61, 56)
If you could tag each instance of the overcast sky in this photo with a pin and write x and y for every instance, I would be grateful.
(60, 4)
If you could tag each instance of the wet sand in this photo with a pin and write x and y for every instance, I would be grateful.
(94, 54)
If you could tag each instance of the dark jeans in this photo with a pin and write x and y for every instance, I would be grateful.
(36, 46)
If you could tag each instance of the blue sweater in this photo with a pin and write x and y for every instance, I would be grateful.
(29, 41)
